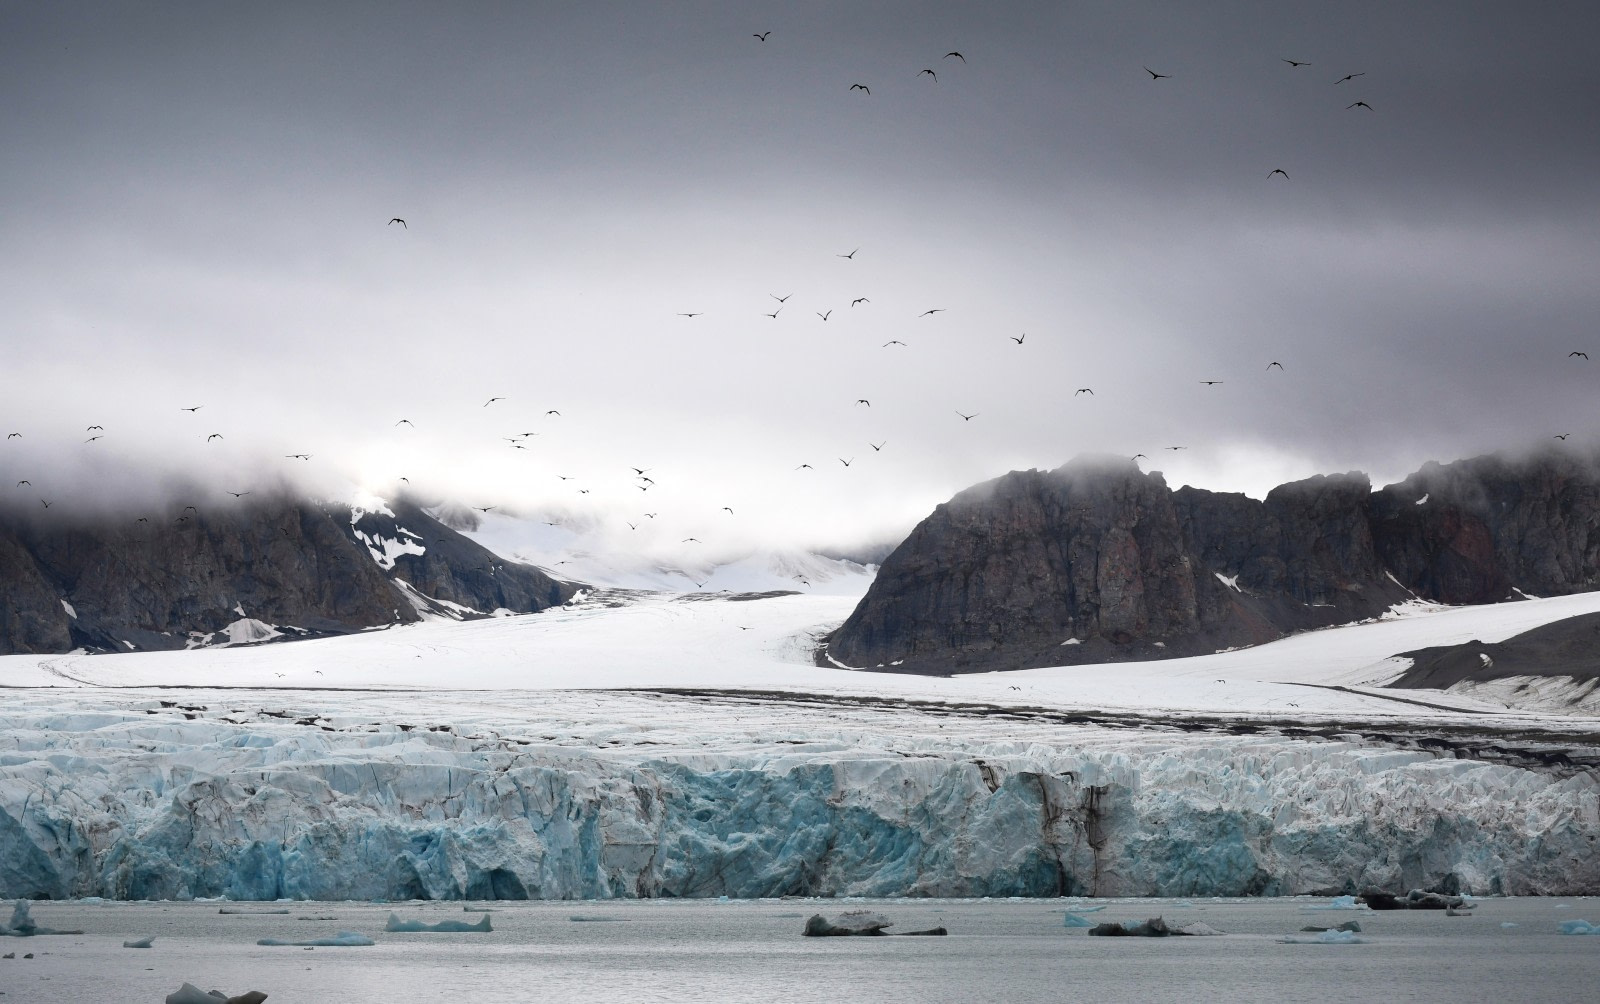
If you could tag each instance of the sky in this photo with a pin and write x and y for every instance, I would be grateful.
(198, 196)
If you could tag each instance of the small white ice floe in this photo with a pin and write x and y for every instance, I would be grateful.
(343, 939)
(1339, 903)
(140, 943)
(1334, 937)
(191, 994)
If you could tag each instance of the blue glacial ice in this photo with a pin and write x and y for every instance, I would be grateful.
(128, 805)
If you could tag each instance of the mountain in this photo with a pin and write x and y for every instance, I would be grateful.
(1098, 561)
(244, 572)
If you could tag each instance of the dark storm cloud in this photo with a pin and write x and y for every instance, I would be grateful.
(197, 198)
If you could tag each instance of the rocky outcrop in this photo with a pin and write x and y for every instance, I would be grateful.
(275, 568)
(1099, 561)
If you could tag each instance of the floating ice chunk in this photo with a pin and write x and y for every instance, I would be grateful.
(140, 943)
(191, 994)
(343, 939)
(1507, 923)
(396, 925)
(1339, 903)
(1199, 929)
(1334, 937)
(1579, 927)
(1073, 920)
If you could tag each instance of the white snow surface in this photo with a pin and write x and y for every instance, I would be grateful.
(527, 756)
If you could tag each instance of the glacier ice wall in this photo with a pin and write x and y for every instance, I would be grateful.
(144, 803)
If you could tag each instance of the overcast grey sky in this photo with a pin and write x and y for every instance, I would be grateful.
(196, 199)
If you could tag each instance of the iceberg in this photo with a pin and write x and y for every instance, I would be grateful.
(396, 925)
(1579, 927)
(191, 994)
(1330, 937)
(343, 939)
(140, 943)
(1071, 919)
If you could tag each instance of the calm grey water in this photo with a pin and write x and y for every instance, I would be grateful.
(999, 950)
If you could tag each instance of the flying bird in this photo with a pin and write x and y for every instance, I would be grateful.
(1564, 435)
(15, 435)
(483, 508)
(859, 299)
(554, 412)
(93, 438)
(214, 435)
(21, 483)
(1139, 456)
(893, 341)
(1209, 383)
(691, 315)
(690, 540)
(1278, 170)
(805, 467)
(727, 510)
(1583, 354)
(850, 255)
(762, 36)
(930, 73)
(44, 503)
(780, 299)
(399, 221)
(966, 417)
(94, 427)
(935, 310)
(1358, 104)
(1293, 62)
(297, 456)
(1274, 363)
(955, 54)
(1156, 76)
(405, 421)
(1084, 390)
(1349, 76)
(774, 314)
(641, 471)
(492, 400)
(1175, 447)
(195, 408)
(632, 526)
(824, 316)
(240, 495)
(877, 447)
(861, 87)
(1014, 338)
(846, 462)
(862, 400)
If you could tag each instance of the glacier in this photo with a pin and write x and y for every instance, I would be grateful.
(261, 795)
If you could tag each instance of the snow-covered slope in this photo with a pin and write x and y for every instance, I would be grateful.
(762, 774)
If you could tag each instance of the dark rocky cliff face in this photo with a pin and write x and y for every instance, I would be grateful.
(172, 580)
(1099, 561)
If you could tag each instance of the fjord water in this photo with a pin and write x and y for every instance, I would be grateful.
(698, 950)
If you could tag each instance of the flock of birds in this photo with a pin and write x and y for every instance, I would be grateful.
(640, 477)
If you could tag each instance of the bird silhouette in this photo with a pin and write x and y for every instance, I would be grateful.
(877, 447)
(850, 255)
(492, 400)
(1278, 170)
(1175, 447)
(214, 435)
(21, 483)
(93, 438)
(1583, 354)
(1358, 104)
(824, 316)
(780, 299)
(1274, 363)
(94, 427)
(632, 526)
(1210, 383)
(1564, 435)
(691, 315)
(44, 503)
(862, 400)
(483, 508)
(861, 87)
(690, 540)
(1084, 390)
(935, 310)
(15, 435)
(238, 495)
(762, 36)
(195, 408)
(405, 421)
(805, 467)
(1293, 62)
(774, 314)
(1156, 76)
(641, 471)
(1016, 339)
(1139, 456)
(930, 73)
(955, 54)
(893, 341)
(1349, 76)
(297, 456)
(399, 221)
(966, 417)
(554, 412)
(859, 299)
(727, 510)
(846, 462)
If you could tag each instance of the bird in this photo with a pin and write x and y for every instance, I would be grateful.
(1156, 76)
(1358, 104)
(1294, 62)
(214, 435)
(238, 495)
(850, 255)
(1175, 447)
(1139, 456)
(554, 412)
(632, 526)
(774, 314)
(93, 438)
(930, 73)
(650, 515)
(805, 467)
(399, 221)
(564, 477)
(1563, 435)
(405, 421)
(15, 435)
(727, 510)
(297, 456)
(643, 478)
(1278, 170)
(861, 87)
(893, 341)
(824, 316)
(1350, 76)
(142, 519)
(862, 400)
(44, 503)
(1084, 390)
(641, 471)
(935, 310)
(846, 462)
(877, 447)
(780, 299)
(955, 54)
(21, 483)
(1016, 339)
(195, 408)
(762, 36)
(1274, 363)
(1583, 354)
(690, 540)
(859, 299)
(965, 417)
(692, 315)
(1209, 383)
(492, 400)
(94, 427)
(483, 508)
